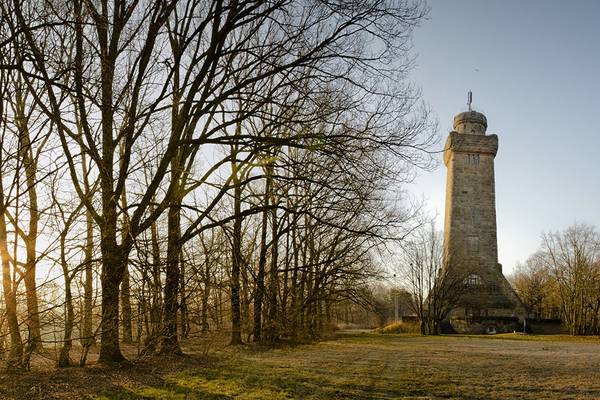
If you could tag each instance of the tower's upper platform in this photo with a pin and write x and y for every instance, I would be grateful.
(469, 136)
(470, 122)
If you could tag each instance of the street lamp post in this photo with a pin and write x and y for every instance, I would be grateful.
(395, 301)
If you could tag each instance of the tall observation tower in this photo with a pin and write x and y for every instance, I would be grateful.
(487, 301)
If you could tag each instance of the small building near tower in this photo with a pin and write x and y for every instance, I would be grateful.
(487, 302)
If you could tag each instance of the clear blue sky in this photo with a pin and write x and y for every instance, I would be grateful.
(534, 69)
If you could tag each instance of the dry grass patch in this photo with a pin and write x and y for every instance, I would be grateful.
(355, 366)
(401, 327)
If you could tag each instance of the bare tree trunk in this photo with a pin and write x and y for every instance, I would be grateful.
(125, 284)
(126, 306)
(287, 263)
(88, 290)
(236, 261)
(262, 261)
(247, 324)
(155, 306)
(112, 273)
(294, 284)
(88, 338)
(272, 323)
(170, 341)
(64, 359)
(300, 307)
(15, 355)
(183, 310)
(30, 239)
(219, 309)
(206, 292)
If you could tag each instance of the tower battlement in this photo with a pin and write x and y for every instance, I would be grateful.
(465, 143)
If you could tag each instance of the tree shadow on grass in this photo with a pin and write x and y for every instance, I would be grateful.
(243, 379)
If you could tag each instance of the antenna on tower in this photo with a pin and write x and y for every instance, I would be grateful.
(469, 99)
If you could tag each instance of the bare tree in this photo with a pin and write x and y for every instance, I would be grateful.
(435, 289)
(572, 257)
(134, 92)
(536, 287)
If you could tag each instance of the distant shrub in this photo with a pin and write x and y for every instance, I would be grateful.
(345, 326)
(400, 327)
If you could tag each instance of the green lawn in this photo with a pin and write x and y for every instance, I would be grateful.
(374, 366)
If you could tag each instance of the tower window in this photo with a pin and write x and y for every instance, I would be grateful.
(473, 280)
(473, 159)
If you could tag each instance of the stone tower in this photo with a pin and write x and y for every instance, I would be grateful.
(487, 301)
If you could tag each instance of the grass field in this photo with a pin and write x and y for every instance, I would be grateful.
(349, 366)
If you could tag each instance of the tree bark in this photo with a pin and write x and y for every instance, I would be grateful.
(125, 284)
(262, 261)
(272, 323)
(126, 306)
(64, 358)
(236, 262)
(156, 301)
(183, 310)
(112, 273)
(15, 355)
(170, 341)
(88, 338)
(30, 239)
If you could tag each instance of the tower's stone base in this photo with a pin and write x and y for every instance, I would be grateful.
(489, 306)
(481, 325)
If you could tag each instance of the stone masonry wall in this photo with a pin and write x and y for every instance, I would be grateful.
(470, 239)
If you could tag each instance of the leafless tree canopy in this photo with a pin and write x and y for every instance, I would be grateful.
(171, 167)
(434, 288)
(562, 279)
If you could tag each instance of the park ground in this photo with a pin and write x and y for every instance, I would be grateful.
(349, 365)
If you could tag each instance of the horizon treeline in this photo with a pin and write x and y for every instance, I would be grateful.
(174, 167)
(559, 284)
(562, 279)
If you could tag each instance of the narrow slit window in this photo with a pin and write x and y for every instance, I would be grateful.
(473, 159)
